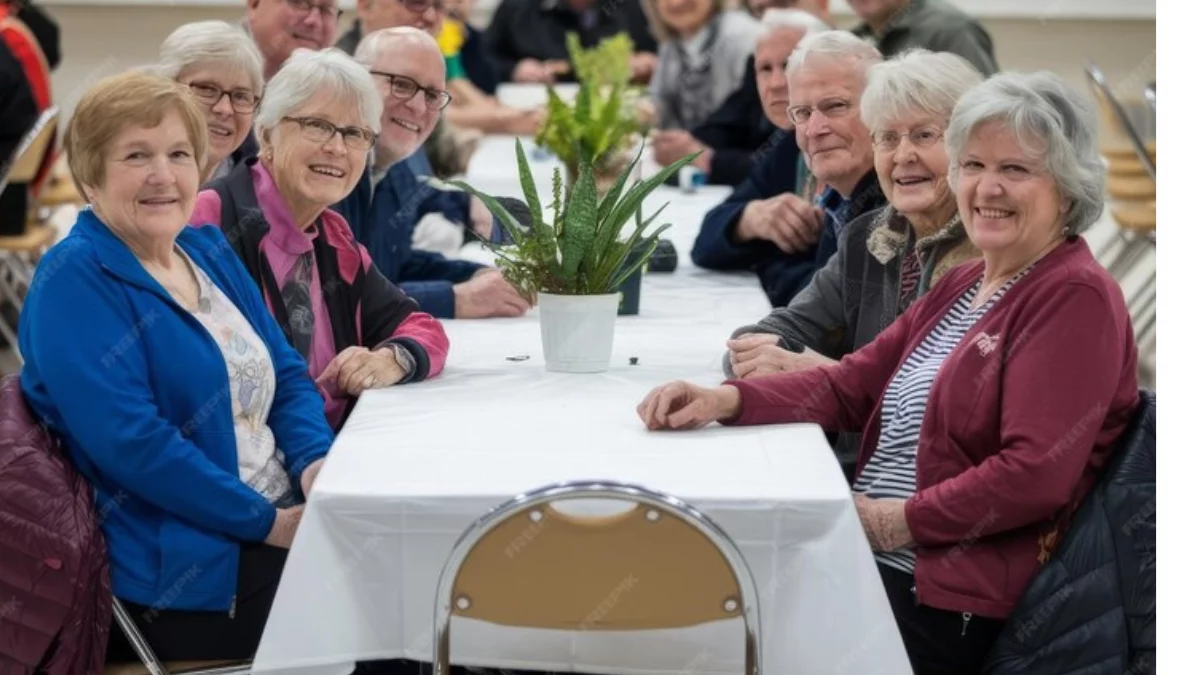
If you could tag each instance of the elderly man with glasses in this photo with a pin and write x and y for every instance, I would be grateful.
(390, 199)
(783, 222)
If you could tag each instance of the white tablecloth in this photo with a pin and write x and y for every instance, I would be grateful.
(415, 465)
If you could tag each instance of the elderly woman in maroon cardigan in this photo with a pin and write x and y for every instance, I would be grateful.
(989, 408)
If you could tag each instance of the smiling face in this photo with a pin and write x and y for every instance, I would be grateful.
(407, 123)
(1008, 202)
(830, 132)
(914, 173)
(770, 65)
(150, 181)
(311, 174)
(685, 17)
(227, 128)
(280, 27)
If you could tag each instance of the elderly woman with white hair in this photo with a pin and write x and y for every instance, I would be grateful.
(887, 258)
(989, 408)
(319, 120)
(223, 68)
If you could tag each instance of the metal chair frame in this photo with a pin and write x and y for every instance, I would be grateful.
(150, 659)
(444, 610)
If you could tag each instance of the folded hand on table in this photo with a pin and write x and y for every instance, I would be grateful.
(357, 369)
(758, 354)
(884, 522)
(683, 405)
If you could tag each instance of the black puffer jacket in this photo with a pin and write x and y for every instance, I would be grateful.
(1091, 610)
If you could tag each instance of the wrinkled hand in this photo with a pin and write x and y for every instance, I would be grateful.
(488, 294)
(671, 145)
(884, 522)
(759, 354)
(539, 72)
(309, 476)
(642, 66)
(287, 521)
(786, 220)
(683, 405)
(357, 369)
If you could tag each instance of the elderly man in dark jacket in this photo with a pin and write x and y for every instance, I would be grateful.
(895, 26)
(776, 223)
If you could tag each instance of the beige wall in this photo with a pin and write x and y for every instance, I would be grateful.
(101, 40)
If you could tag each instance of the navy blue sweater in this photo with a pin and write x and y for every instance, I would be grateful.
(384, 219)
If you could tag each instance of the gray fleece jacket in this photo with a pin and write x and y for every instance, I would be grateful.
(856, 295)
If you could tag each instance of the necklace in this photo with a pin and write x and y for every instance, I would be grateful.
(986, 292)
(189, 298)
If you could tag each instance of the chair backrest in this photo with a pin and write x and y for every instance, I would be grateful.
(27, 160)
(1151, 97)
(1113, 110)
(661, 564)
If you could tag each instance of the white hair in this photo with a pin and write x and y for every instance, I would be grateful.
(214, 42)
(916, 83)
(1052, 122)
(308, 72)
(837, 45)
(374, 42)
(792, 19)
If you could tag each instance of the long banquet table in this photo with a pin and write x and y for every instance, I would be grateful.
(415, 465)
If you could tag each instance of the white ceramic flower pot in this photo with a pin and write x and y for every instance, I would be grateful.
(577, 331)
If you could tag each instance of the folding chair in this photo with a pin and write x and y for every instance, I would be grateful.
(150, 664)
(662, 564)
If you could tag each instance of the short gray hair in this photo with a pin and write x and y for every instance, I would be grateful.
(369, 48)
(1051, 121)
(834, 44)
(307, 72)
(795, 19)
(917, 82)
(214, 42)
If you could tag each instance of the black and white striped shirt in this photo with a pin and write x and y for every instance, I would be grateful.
(892, 470)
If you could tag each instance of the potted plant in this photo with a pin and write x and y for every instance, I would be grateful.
(600, 126)
(573, 257)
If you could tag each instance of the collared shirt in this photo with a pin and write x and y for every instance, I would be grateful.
(538, 29)
(937, 26)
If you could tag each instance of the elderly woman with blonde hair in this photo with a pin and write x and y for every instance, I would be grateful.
(223, 68)
(990, 407)
(149, 352)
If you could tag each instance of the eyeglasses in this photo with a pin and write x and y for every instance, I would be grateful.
(419, 6)
(242, 100)
(800, 114)
(404, 88)
(921, 137)
(305, 6)
(318, 130)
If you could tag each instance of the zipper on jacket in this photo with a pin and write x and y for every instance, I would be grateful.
(966, 620)
(233, 608)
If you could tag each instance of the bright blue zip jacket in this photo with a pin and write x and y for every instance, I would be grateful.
(139, 393)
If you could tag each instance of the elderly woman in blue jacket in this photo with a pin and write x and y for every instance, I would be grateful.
(149, 351)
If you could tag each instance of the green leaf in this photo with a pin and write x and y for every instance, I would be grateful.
(623, 270)
(581, 223)
(528, 186)
(626, 205)
(507, 221)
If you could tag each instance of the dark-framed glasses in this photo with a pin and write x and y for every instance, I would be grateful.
(242, 100)
(921, 137)
(327, 11)
(404, 88)
(801, 114)
(320, 130)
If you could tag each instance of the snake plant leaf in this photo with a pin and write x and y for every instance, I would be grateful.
(507, 221)
(528, 187)
(625, 269)
(580, 228)
(630, 202)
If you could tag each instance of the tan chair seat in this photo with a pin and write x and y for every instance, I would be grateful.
(37, 238)
(173, 667)
(1125, 188)
(59, 192)
(1125, 151)
(1126, 167)
(1140, 218)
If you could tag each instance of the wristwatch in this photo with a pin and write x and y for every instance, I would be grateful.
(404, 359)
